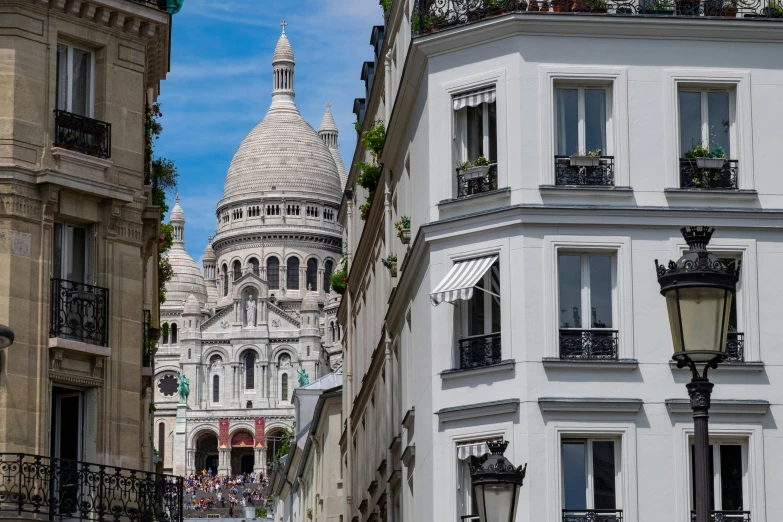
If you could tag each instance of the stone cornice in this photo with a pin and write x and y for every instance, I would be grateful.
(330, 244)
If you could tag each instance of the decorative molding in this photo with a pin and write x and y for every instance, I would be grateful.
(572, 364)
(478, 410)
(409, 455)
(501, 367)
(79, 347)
(407, 420)
(750, 366)
(589, 404)
(722, 406)
(77, 380)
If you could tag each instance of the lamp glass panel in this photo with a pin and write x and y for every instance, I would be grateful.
(499, 501)
(478, 498)
(703, 316)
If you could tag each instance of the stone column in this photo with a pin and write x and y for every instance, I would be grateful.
(179, 456)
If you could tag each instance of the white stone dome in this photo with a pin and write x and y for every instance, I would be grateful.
(283, 51)
(310, 302)
(192, 306)
(209, 253)
(187, 278)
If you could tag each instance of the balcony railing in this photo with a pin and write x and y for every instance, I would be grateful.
(590, 345)
(82, 134)
(148, 341)
(735, 347)
(479, 350)
(45, 488)
(585, 171)
(474, 181)
(430, 16)
(79, 312)
(695, 173)
(592, 515)
(727, 516)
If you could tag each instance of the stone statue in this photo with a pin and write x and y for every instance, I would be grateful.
(183, 389)
(250, 311)
(304, 379)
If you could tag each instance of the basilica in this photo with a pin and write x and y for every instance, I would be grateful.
(259, 319)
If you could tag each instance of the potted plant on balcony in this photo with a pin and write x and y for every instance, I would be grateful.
(475, 169)
(773, 10)
(561, 6)
(403, 226)
(591, 159)
(725, 8)
(656, 7)
(706, 159)
(390, 262)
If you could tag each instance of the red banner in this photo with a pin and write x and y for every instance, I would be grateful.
(242, 439)
(260, 424)
(223, 434)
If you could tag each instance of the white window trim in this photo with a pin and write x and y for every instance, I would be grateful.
(503, 430)
(748, 288)
(742, 147)
(91, 87)
(751, 435)
(627, 478)
(617, 133)
(443, 157)
(623, 292)
(717, 478)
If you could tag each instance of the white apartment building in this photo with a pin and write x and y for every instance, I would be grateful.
(526, 304)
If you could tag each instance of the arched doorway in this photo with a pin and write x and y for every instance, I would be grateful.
(207, 452)
(242, 459)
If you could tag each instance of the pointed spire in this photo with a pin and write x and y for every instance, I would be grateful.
(328, 128)
(283, 71)
(177, 220)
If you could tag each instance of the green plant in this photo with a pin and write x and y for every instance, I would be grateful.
(481, 161)
(698, 151)
(364, 208)
(339, 279)
(357, 125)
(374, 138)
(152, 408)
(386, 5)
(310, 513)
(370, 174)
(404, 223)
(419, 22)
(718, 152)
(260, 512)
(389, 260)
(594, 153)
(439, 19)
(285, 443)
(597, 5)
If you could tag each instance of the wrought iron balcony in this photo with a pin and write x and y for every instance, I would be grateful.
(82, 134)
(590, 345)
(735, 347)
(727, 516)
(479, 350)
(592, 515)
(430, 16)
(696, 173)
(585, 171)
(79, 312)
(46, 488)
(477, 180)
(148, 341)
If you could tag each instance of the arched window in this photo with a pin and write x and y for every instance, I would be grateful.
(312, 274)
(253, 265)
(161, 440)
(165, 333)
(225, 280)
(284, 388)
(292, 273)
(331, 330)
(215, 388)
(174, 333)
(328, 268)
(273, 273)
(250, 367)
(308, 350)
(249, 404)
(215, 359)
(237, 270)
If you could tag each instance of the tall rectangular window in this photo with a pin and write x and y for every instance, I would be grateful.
(728, 467)
(75, 80)
(589, 475)
(479, 318)
(706, 120)
(581, 120)
(476, 125)
(71, 253)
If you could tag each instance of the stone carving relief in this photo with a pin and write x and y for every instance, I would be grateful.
(224, 324)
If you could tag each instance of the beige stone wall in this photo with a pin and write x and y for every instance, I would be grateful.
(39, 186)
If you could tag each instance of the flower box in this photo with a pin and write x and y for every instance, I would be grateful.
(585, 161)
(405, 236)
(710, 163)
(475, 172)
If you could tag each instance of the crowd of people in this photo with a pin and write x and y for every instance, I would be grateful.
(207, 491)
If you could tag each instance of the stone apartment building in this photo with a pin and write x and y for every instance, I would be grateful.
(78, 231)
(523, 302)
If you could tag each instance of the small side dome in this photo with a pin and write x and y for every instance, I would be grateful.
(177, 214)
(283, 51)
(209, 254)
(192, 306)
(310, 302)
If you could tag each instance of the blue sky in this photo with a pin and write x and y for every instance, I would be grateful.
(220, 84)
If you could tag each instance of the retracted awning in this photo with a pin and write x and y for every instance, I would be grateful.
(473, 449)
(459, 282)
(474, 99)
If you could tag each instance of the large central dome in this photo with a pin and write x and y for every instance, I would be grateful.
(283, 153)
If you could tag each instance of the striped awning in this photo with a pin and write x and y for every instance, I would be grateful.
(459, 282)
(474, 99)
(473, 449)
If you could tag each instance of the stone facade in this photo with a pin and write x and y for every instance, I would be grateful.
(77, 229)
(261, 314)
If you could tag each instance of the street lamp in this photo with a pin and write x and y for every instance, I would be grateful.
(699, 289)
(6, 336)
(496, 485)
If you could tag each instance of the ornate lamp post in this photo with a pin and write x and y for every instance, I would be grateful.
(6, 336)
(699, 289)
(496, 485)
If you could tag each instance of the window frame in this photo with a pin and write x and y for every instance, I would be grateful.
(60, 238)
(580, 87)
(623, 296)
(461, 134)
(589, 467)
(716, 442)
(69, 88)
(704, 91)
(614, 79)
(586, 287)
